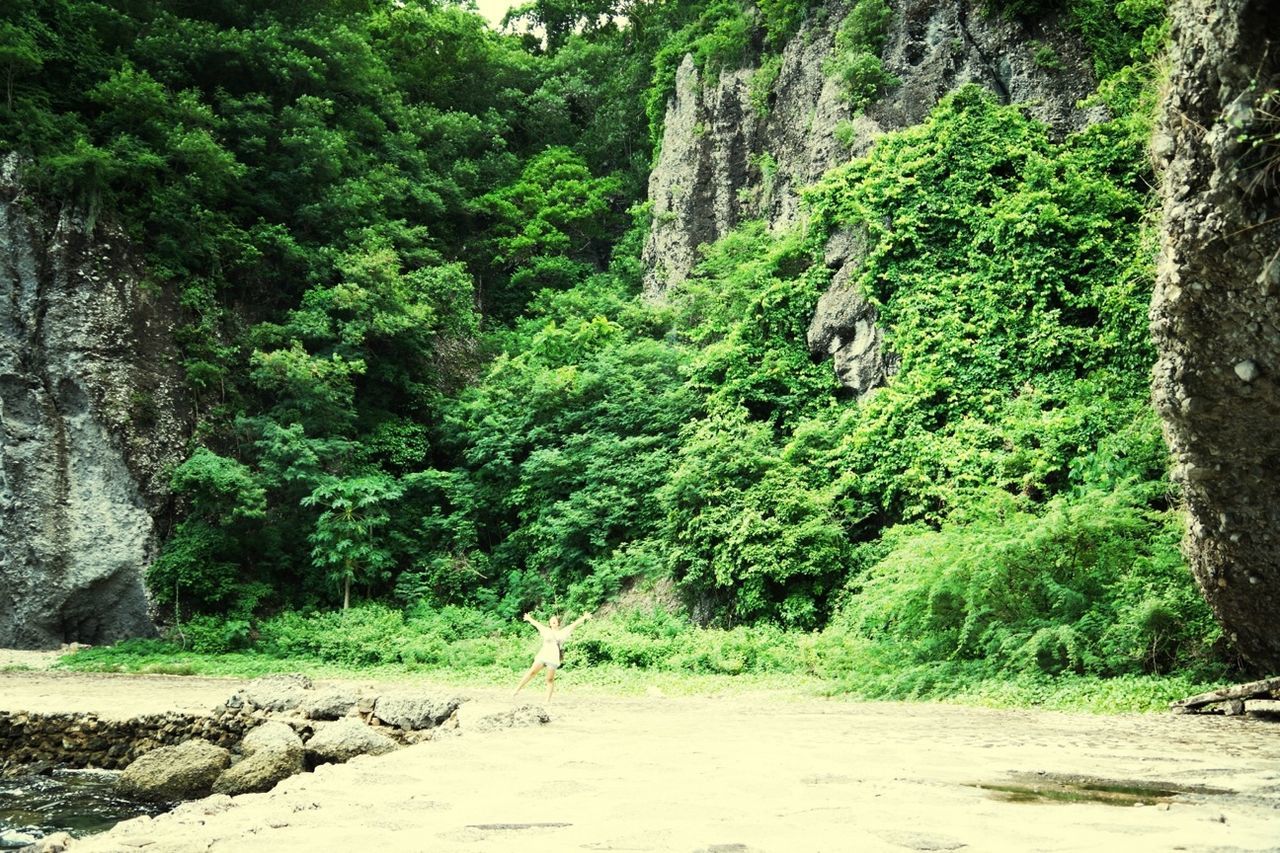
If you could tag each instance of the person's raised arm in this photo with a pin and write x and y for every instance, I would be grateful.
(528, 617)
(576, 622)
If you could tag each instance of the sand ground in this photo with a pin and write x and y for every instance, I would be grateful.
(749, 772)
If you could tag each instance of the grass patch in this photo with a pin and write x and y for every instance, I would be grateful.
(628, 654)
(1089, 694)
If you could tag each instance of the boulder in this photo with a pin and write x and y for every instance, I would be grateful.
(844, 328)
(170, 773)
(12, 838)
(412, 712)
(343, 740)
(282, 692)
(272, 736)
(525, 715)
(273, 752)
(58, 842)
(329, 704)
(259, 772)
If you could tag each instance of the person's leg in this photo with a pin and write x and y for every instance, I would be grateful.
(551, 682)
(533, 670)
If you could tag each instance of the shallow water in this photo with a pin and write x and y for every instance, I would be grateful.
(80, 802)
(1059, 788)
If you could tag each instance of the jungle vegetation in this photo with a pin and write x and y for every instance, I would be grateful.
(429, 396)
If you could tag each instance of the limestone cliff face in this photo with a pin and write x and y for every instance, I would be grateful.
(721, 162)
(90, 405)
(1215, 313)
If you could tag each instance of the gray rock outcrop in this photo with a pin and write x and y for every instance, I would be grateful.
(329, 704)
(522, 717)
(722, 163)
(282, 692)
(343, 740)
(172, 773)
(90, 417)
(708, 138)
(413, 712)
(844, 326)
(1215, 313)
(272, 752)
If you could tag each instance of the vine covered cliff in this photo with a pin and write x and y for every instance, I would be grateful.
(740, 144)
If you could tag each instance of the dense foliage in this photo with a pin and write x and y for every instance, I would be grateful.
(406, 247)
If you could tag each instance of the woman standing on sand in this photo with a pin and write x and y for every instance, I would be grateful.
(548, 657)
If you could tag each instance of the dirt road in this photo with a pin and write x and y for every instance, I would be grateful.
(753, 772)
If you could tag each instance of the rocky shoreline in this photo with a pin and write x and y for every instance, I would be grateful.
(272, 728)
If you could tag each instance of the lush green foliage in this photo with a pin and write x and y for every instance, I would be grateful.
(1092, 584)
(1116, 33)
(632, 650)
(330, 191)
(856, 61)
(406, 249)
(563, 445)
(550, 227)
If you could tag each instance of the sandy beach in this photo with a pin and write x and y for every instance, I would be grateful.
(749, 772)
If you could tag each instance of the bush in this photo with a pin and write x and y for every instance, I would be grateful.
(1017, 594)
(856, 61)
(863, 77)
(364, 635)
(451, 623)
(211, 635)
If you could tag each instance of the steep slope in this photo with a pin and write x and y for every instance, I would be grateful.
(89, 403)
(1216, 309)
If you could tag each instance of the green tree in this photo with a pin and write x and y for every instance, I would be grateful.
(225, 502)
(20, 56)
(346, 542)
(549, 226)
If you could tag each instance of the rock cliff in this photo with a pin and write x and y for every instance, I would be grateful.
(90, 416)
(1215, 313)
(722, 161)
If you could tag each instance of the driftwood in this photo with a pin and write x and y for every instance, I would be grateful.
(1236, 696)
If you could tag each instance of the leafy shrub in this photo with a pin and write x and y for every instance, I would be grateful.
(1018, 593)
(856, 62)
(211, 635)
(782, 18)
(846, 133)
(367, 634)
(452, 623)
(1116, 33)
(762, 82)
(863, 77)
